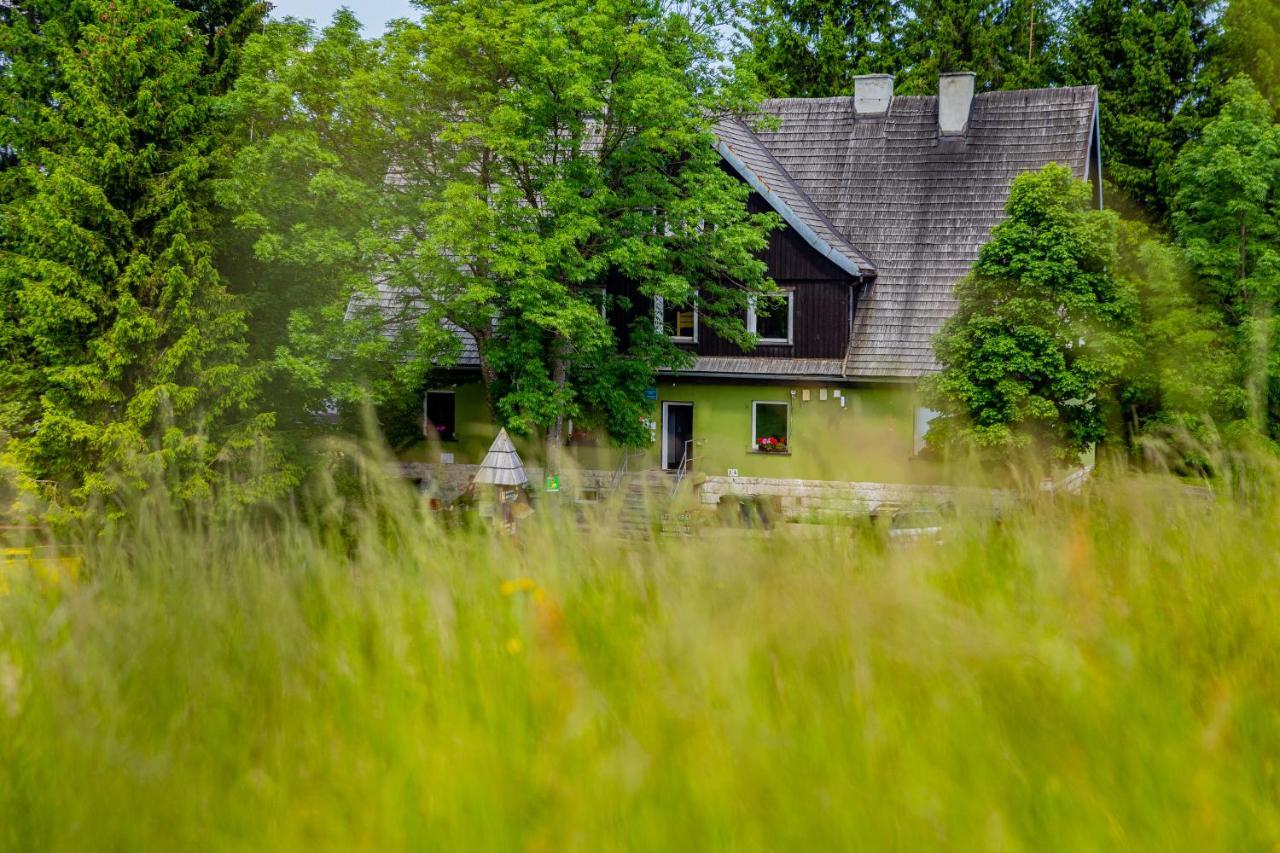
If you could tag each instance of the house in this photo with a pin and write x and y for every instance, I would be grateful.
(887, 201)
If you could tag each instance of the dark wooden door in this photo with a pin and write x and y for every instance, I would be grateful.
(677, 432)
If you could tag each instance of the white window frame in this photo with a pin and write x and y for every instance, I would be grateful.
(791, 319)
(923, 419)
(754, 403)
(659, 308)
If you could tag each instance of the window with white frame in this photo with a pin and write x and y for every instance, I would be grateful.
(770, 426)
(924, 417)
(772, 319)
(678, 322)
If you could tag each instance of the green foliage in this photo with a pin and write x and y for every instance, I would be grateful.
(1040, 337)
(1182, 393)
(1252, 43)
(1150, 60)
(1087, 675)
(121, 352)
(814, 48)
(1227, 218)
(535, 150)
(1008, 44)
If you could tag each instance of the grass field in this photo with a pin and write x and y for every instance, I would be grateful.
(1091, 673)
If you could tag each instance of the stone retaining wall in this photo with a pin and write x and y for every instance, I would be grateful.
(798, 498)
(801, 498)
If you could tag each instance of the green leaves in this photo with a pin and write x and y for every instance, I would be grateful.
(1042, 333)
(496, 163)
(1227, 218)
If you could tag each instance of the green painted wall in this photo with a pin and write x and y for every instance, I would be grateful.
(869, 439)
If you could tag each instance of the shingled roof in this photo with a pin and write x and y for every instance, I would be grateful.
(888, 200)
(917, 205)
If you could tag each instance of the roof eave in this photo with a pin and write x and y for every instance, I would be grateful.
(789, 215)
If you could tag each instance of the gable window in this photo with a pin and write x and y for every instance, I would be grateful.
(440, 415)
(678, 322)
(770, 426)
(773, 319)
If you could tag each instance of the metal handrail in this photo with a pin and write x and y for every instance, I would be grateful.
(621, 471)
(683, 468)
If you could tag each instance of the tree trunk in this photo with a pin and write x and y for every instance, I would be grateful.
(487, 373)
(555, 430)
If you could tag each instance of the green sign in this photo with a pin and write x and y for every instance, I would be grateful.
(553, 484)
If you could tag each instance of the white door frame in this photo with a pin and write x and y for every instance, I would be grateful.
(665, 407)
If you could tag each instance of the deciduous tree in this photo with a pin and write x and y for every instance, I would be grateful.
(505, 160)
(1041, 335)
(1227, 218)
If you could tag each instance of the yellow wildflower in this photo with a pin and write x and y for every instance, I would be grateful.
(511, 587)
(514, 646)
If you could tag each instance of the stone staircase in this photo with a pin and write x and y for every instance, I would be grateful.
(642, 499)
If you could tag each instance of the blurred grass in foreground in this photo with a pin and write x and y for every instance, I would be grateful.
(1090, 674)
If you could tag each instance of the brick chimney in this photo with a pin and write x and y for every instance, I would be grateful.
(872, 94)
(955, 97)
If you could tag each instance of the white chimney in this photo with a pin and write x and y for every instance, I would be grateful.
(955, 97)
(872, 94)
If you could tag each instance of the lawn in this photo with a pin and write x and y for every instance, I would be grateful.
(1085, 673)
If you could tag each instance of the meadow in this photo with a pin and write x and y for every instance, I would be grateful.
(1095, 672)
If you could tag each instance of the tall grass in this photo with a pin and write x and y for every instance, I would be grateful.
(1084, 674)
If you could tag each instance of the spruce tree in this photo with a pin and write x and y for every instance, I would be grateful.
(814, 48)
(121, 351)
(1008, 44)
(1150, 60)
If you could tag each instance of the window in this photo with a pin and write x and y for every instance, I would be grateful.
(440, 415)
(679, 322)
(923, 418)
(770, 427)
(773, 321)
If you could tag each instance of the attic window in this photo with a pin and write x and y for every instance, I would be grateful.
(440, 415)
(678, 322)
(774, 320)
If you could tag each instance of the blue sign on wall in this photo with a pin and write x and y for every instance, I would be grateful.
(651, 394)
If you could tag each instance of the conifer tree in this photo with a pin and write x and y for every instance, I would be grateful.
(1008, 44)
(121, 351)
(1149, 59)
(814, 48)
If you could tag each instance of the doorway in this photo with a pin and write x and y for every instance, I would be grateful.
(677, 433)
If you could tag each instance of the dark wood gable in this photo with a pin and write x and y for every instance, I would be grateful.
(823, 298)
